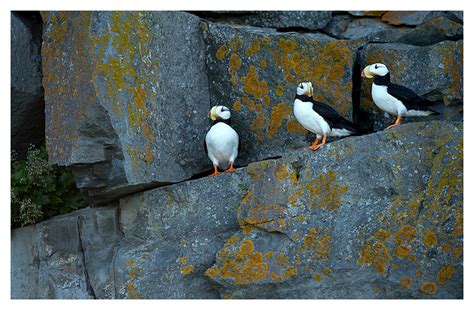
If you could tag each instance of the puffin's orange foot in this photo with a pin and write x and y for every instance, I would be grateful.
(314, 147)
(391, 126)
(215, 173)
(231, 169)
(397, 122)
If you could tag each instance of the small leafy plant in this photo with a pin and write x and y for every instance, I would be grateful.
(39, 190)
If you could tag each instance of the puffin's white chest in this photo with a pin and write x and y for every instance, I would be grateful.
(308, 118)
(387, 102)
(222, 144)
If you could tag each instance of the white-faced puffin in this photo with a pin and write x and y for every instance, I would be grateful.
(222, 141)
(395, 99)
(319, 118)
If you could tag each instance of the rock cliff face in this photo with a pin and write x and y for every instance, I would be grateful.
(127, 95)
(378, 216)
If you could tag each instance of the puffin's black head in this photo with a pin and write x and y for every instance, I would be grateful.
(305, 88)
(219, 112)
(375, 69)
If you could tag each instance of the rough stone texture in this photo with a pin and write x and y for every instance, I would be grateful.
(255, 72)
(434, 72)
(367, 217)
(414, 18)
(377, 216)
(27, 102)
(367, 13)
(126, 98)
(338, 25)
(66, 257)
(370, 30)
(312, 20)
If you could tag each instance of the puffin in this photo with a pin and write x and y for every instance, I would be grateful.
(222, 141)
(320, 118)
(395, 99)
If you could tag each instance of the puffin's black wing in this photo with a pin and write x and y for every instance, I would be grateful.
(409, 98)
(333, 118)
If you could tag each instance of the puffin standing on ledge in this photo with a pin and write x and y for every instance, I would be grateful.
(395, 99)
(319, 118)
(222, 141)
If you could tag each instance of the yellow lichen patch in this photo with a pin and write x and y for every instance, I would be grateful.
(291, 272)
(279, 113)
(457, 252)
(336, 72)
(374, 254)
(234, 63)
(280, 90)
(404, 252)
(294, 127)
(327, 190)
(266, 100)
(263, 63)
(133, 272)
(327, 271)
(429, 288)
(244, 270)
(258, 125)
(182, 259)
(405, 234)
(246, 247)
(317, 277)
(247, 229)
(289, 78)
(406, 281)
(234, 80)
(148, 154)
(317, 244)
(445, 273)
(232, 240)
(236, 43)
(252, 85)
(222, 52)
(382, 235)
(237, 105)
(186, 270)
(430, 239)
(268, 255)
(253, 48)
(212, 272)
(418, 273)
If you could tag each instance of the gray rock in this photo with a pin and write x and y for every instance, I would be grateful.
(27, 102)
(367, 13)
(127, 98)
(415, 18)
(434, 72)
(362, 218)
(69, 256)
(377, 216)
(338, 25)
(255, 72)
(312, 20)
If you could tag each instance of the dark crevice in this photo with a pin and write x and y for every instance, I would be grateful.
(296, 29)
(89, 287)
(118, 224)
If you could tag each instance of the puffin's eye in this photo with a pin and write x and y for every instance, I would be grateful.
(376, 66)
(301, 86)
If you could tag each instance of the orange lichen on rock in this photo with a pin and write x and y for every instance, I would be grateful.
(294, 127)
(234, 63)
(279, 113)
(317, 277)
(253, 48)
(252, 85)
(246, 247)
(182, 259)
(327, 271)
(186, 270)
(429, 288)
(291, 272)
(236, 43)
(222, 52)
(445, 273)
(404, 252)
(405, 234)
(430, 239)
(326, 191)
(406, 281)
(237, 105)
(374, 254)
(317, 244)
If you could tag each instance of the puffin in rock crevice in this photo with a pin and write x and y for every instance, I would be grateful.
(222, 141)
(395, 99)
(319, 118)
